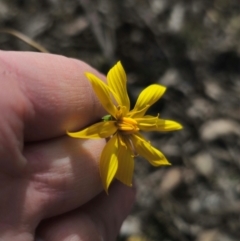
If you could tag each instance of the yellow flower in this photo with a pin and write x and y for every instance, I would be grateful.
(122, 126)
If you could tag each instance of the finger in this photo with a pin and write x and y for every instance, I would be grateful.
(99, 220)
(49, 93)
(60, 175)
(63, 174)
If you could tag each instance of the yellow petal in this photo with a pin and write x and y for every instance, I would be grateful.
(125, 165)
(145, 149)
(147, 120)
(109, 162)
(151, 123)
(96, 131)
(139, 113)
(117, 81)
(148, 97)
(103, 93)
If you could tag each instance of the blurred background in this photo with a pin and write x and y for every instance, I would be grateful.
(193, 48)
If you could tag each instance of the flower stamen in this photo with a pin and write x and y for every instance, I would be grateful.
(128, 143)
(127, 125)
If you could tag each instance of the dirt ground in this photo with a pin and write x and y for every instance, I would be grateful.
(193, 48)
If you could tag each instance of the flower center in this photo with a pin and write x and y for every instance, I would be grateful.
(127, 125)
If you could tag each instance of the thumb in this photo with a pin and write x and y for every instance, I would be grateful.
(99, 220)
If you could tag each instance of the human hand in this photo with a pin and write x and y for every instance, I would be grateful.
(50, 188)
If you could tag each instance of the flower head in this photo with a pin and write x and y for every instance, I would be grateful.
(122, 126)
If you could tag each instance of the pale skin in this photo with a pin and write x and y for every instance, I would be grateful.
(50, 187)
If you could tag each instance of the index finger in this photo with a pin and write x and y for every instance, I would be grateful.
(57, 95)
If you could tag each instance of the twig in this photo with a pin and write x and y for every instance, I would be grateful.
(24, 38)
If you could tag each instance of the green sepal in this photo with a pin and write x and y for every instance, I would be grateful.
(107, 118)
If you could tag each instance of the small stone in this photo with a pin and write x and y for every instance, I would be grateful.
(158, 6)
(195, 205)
(204, 163)
(213, 129)
(170, 78)
(200, 108)
(75, 27)
(177, 17)
(5, 12)
(208, 235)
(213, 90)
(131, 226)
(170, 181)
